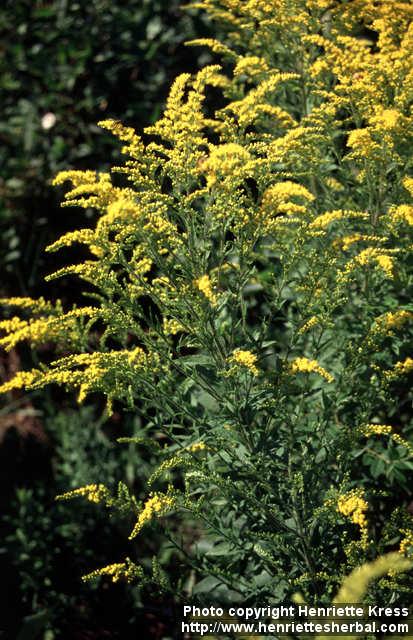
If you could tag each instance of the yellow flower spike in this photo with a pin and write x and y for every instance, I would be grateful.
(408, 185)
(402, 213)
(387, 119)
(134, 146)
(157, 505)
(196, 446)
(312, 322)
(386, 263)
(381, 257)
(116, 571)
(385, 429)
(171, 327)
(77, 178)
(81, 236)
(40, 305)
(251, 66)
(354, 586)
(215, 45)
(226, 161)
(93, 492)
(22, 380)
(354, 506)
(245, 359)
(406, 544)
(204, 285)
(325, 219)
(378, 429)
(391, 320)
(346, 242)
(404, 367)
(278, 199)
(305, 365)
(40, 330)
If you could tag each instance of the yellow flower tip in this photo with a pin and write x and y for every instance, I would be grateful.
(171, 327)
(402, 213)
(250, 66)
(372, 254)
(392, 320)
(246, 359)
(116, 571)
(406, 544)
(159, 504)
(93, 492)
(204, 285)
(353, 505)
(404, 367)
(197, 446)
(305, 365)
(22, 380)
(312, 322)
(377, 429)
(408, 184)
(226, 160)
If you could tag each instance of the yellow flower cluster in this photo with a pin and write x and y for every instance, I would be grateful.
(346, 242)
(181, 459)
(305, 365)
(126, 570)
(312, 322)
(380, 256)
(404, 367)
(40, 305)
(255, 105)
(251, 66)
(353, 505)
(402, 213)
(196, 446)
(172, 327)
(378, 429)
(384, 429)
(246, 359)
(325, 219)
(110, 372)
(280, 199)
(401, 368)
(227, 161)
(406, 544)
(156, 506)
(39, 330)
(204, 285)
(92, 492)
(392, 320)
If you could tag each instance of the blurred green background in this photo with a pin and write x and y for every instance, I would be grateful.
(64, 65)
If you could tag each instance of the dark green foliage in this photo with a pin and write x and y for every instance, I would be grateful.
(69, 64)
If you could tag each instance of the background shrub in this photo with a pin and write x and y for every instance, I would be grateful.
(63, 66)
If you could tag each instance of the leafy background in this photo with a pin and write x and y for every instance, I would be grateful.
(64, 65)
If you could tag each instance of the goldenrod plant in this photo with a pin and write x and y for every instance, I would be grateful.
(250, 272)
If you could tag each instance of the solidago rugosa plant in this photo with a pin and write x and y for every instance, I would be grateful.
(250, 273)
